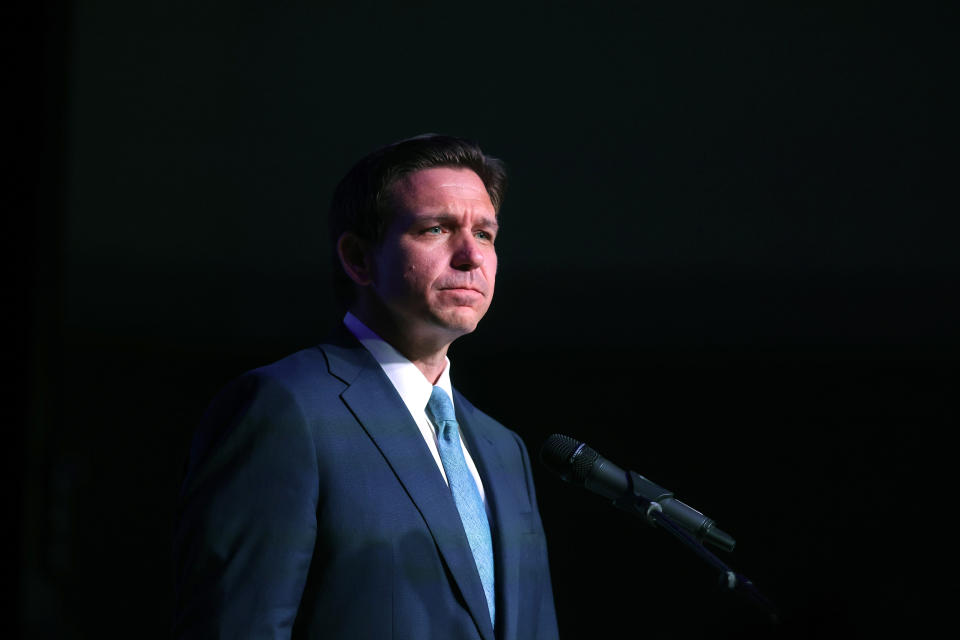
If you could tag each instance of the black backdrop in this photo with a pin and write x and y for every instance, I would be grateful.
(727, 262)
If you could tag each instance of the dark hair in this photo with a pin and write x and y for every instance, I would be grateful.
(361, 201)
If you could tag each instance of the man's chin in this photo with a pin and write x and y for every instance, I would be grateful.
(459, 321)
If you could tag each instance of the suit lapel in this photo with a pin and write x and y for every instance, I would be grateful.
(381, 412)
(502, 501)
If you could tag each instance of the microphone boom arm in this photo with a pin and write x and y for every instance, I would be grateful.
(659, 508)
(580, 465)
(730, 579)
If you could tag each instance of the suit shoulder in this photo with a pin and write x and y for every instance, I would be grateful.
(292, 381)
(304, 371)
(297, 365)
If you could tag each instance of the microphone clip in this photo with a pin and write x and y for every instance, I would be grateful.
(646, 498)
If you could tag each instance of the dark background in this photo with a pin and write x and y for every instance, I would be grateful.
(727, 261)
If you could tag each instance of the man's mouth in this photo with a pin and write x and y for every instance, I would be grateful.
(462, 288)
(464, 291)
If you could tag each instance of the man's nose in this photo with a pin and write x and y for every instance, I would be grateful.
(467, 254)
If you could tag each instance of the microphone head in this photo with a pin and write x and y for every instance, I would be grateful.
(569, 458)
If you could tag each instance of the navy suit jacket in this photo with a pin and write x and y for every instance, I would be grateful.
(311, 507)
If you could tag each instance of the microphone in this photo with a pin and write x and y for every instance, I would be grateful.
(578, 464)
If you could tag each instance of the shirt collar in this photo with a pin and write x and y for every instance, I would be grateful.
(410, 383)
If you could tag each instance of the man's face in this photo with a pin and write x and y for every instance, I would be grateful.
(435, 267)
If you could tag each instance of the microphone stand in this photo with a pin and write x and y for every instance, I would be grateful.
(651, 511)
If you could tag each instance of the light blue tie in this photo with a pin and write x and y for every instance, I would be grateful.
(465, 492)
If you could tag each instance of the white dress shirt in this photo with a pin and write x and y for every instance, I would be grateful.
(414, 390)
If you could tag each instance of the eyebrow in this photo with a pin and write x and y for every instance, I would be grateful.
(484, 221)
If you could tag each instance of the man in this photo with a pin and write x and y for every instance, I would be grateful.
(337, 493)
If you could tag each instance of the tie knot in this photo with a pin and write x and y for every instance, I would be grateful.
(441, 406)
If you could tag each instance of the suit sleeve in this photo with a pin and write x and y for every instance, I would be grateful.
(546, 624)
(247, 516)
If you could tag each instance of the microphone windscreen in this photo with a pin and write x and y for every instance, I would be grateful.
(570, 458)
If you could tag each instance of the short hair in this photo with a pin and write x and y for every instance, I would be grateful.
(361, 201)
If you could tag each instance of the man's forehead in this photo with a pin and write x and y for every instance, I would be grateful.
(441, 182)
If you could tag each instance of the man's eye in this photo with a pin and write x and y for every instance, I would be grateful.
(436, 229)
(485, 235)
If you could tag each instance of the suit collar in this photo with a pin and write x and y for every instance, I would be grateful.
(414, 388)
(346, 357)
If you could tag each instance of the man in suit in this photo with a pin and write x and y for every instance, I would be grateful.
(337, 493)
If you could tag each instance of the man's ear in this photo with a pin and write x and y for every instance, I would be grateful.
(355, 259)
